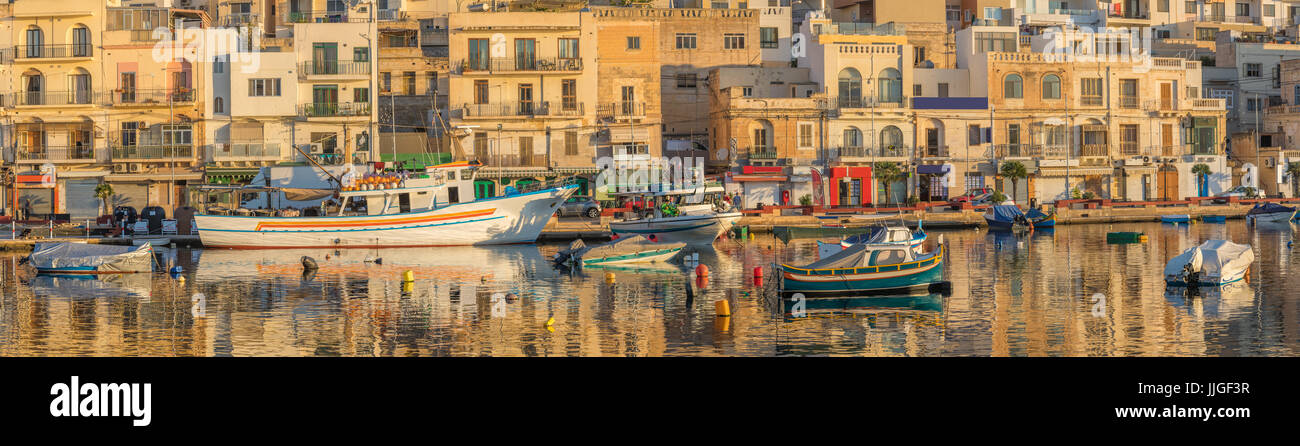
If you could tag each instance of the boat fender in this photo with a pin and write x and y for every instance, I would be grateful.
(379, 260)
(723, 308)
(702, 270)
(308, 263)
(653, 238)
(758, 271)
(511, 297)
(609, 277)
(550, 321)
(177, 269)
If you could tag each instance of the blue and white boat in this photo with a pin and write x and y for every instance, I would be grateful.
(1213, 263)
(1006, 216)
(867, 268)
(880, 235)
(85, 258)
(1270, 213)
(1176, 218)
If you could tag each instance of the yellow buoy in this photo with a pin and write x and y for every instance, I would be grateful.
(550, 322)
(723, 308)
(722, 324)
(180, 279)
(1142, 239)
(408, 287)
(609, 277)
(408, 276)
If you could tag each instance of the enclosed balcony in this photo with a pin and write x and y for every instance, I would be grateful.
(239, 20)
(333, 110)
(323, 17)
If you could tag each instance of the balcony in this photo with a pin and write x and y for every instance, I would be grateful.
(1095, 150)
(1091, 101)
(521, 160)
(842, 102)
(58, 51)
(238, 20)
(1214, 18)
(242, 150)
(333, 110)
(762, 153)
(153, 152)
(55, 98)
(621, 110)
(935, 151)
(151, 97)
(389, 15)
(1128, 102)
(54, 154)
(334, 68)
(1215, 104)
(507, 65)
(323, 17)
(1041, 151)
(524, 109)
(870, 152)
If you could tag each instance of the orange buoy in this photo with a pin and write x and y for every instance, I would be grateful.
(758, 271)
(702, 270)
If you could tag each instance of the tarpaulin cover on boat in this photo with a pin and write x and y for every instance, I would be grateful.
(1268, 208)
(302, 194)
(84, 257)
(1035, 214)
(1213, 258)
(1006, 213)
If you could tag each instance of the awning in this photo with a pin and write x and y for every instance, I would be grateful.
(930, 169)
(742, 178)
(156, 178)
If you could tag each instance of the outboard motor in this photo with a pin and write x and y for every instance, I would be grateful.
(124, 214)
(154, 215)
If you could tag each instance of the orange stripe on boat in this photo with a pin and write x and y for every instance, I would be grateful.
(364, 223)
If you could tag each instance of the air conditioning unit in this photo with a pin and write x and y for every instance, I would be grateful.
(316, 149)
(119, 168)
(133, 168)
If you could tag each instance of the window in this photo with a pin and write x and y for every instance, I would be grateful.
(1277, 76)
(1206, 34)
(943, 89)
(1128, 93)
(1190, 7)
(852, 138)
(1162, 6)
(1128, 139)
(1243, 9)
(685, 41)
(409, 76)
(686, 80)
(478, 54)
(1192, 93)
(361, 54)
(263, 87)
(361, 94)
(1221, 93)
(1051, 87)
(480, 145)
(1090, 91)
(569, 94)
(525, 99)
(525, 54)
(81, 42)
(891, 86)
(1269, 11)
(1253, 70)
(973, 135)
(747, 91)
(1252, 104)
(218, 66)
(767, 38)
(916, 89)
(218, 105)
(633, 42)
(386, 82)
(1013, 87)
(628, 104)
(805, 134)
(569, 48)
(954, 13)
(1295, 95)
(733, 41)
(571, 143)
(850, 88)
(918, 56)
(719, 5)
(987, 41)
(130, 130)
(480, 91)
(760, 139)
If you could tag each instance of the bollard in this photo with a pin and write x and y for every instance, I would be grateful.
(722, 307)
(87, 228)
(51, 223)
(408, 276)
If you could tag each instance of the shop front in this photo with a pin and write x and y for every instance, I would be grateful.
(850, 186)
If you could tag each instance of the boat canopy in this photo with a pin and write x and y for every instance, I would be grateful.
(1212, 257)
(1035, 214)
(861, 255)
(1007, 213)
(1269, 208)
(88, 257)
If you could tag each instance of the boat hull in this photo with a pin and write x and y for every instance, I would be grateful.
(1046, 222)
(907, 276)
(660, 255)
(500, 220)
(1272, 217)
(690, 229)
(1175, 218)
(1003, 225)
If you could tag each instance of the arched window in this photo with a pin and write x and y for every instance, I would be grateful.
(891, 141)
(853, 137)
(33, 88)
(850, 94)
(1013, 87)
(35, 43)
(891, 86)
(1051, 87)
(763, 137)
(81, 46)
(79, 83)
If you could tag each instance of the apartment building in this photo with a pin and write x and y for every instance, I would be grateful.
(334, 47)
(1254, 81)
(1276, 142)
(408, 93)
(523, 94)
(925, 23)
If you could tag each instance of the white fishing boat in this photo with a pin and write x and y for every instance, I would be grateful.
(700, 218)
(631, 250)
(1213, 263)
(433, 207)
(880, 235)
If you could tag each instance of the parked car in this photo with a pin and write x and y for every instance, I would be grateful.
(977, 195)
(1239, 192)
(579, 206)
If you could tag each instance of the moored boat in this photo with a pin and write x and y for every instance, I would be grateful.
(1270, 213)
(1041, 220)
(1213, 263)
(84, 258)
(894, 235)
(1176, 218)
(1214, 218)
(1007, 217)
(423, 209)
(631, 250)
(699, 219)
(866, 268)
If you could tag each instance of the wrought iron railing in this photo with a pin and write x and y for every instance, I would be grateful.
(520, 64)
(333, 109)
(53, 51)
(334, 67)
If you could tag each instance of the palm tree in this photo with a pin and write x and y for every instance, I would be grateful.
(103, 192)
(1013, 171)
(1202, 173)
(888, 174)
(1293, 170)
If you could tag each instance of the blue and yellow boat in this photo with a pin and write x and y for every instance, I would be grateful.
(1041, 220)
(866, 268)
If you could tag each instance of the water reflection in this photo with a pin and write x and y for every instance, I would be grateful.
(1059, 292)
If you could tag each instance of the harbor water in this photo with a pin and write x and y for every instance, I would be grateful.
(1064, 292)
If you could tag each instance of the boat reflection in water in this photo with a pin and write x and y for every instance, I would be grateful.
(509, 263)
(92, 287)
(863, 305)
(1212, 302)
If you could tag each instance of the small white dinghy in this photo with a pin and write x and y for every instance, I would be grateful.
(635, 249)
(1214, 263)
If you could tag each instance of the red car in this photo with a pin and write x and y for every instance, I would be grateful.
(974, 196)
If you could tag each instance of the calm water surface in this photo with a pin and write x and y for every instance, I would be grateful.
(1056, 293)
